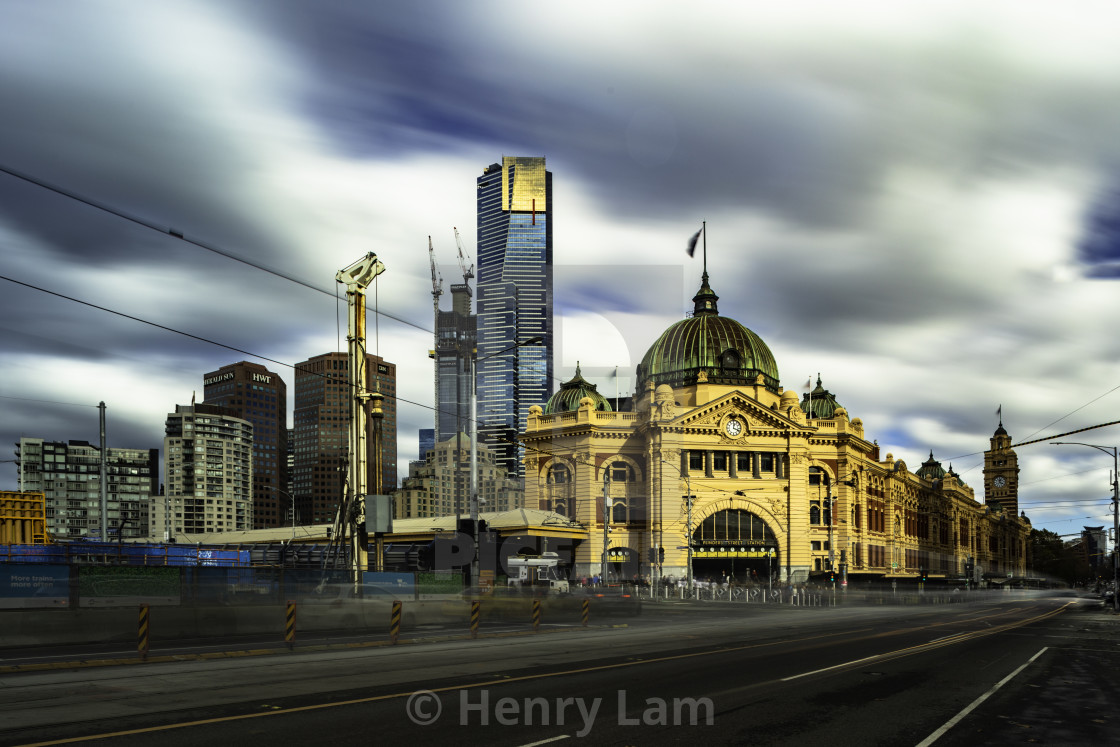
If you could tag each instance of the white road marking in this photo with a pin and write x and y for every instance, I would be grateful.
(971, 706)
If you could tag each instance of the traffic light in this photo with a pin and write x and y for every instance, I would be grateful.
(661, 555)
(425, 556)
(922, 575)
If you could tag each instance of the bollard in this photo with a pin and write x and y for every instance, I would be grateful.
(586, 611)
(395, 622)
(536, 615)
(290, 625)
(476, 614)
(142, 638)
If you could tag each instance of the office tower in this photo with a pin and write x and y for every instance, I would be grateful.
(456, 331)
(440, 484)
(514, 213)
(427, 441)
(69, 476)
(321, 431)
(252, 392)
(208, 473)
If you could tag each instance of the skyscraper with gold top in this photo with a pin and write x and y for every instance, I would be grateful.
(514, 209)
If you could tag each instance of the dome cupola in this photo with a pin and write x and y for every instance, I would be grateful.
(722, 348)
(931, 469)
(572, 392)
(820, 403)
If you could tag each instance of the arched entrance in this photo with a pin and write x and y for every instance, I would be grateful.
(735, 544)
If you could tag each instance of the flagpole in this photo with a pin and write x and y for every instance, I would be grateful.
(704, 230)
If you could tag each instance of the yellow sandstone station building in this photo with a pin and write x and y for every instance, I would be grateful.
(717, 464)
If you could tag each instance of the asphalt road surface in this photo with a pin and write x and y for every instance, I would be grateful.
(1007, 670)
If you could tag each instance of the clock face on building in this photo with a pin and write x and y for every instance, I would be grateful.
(999, 482)
(733, 427)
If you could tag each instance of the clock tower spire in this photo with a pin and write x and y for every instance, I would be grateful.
(1001, 473)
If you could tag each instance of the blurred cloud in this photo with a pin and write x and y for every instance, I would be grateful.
(916, 201)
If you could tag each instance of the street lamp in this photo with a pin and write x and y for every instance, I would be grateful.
(604, 563)
(291, 506)
(474, 360)
(1115, 514)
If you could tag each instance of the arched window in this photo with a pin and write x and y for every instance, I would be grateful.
(558, 489)
(818, 496)
(620, 512)
(735, 526)
(559, 474)
(621, 472)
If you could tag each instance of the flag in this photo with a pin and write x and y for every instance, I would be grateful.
(999, 412)
(808, 384)
(692, 242)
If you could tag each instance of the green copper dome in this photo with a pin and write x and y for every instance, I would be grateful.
(820, 403)
(726, 351)
(931, 469)
(570, 394)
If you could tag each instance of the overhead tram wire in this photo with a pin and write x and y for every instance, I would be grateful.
(208, 341)
(142, 321)
(1069, 433)
(175, 331)
(47, 401)
(177, 234)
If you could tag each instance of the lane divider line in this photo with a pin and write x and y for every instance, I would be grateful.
(972, 706)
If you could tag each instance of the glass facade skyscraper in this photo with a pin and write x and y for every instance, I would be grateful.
(514, 285)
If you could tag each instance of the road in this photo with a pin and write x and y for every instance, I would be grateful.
(1002, 671)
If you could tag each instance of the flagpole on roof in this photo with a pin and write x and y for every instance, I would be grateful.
(704, 230)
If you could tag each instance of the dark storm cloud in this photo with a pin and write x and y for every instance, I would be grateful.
(1099, 247)
(400, 84)
(93, 115)
(805, 133)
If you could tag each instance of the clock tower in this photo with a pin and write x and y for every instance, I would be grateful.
(1001, 473)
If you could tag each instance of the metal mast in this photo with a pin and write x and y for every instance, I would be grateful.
(350, 522)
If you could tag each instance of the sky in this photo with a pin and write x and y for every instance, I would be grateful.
(918, 201)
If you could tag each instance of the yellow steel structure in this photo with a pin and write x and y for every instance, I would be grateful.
(23, 519)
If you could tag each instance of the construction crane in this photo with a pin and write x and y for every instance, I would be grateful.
(437, 280)
(468, 273)
(437, 291)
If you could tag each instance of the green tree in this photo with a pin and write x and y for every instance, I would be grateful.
(1054, 559)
